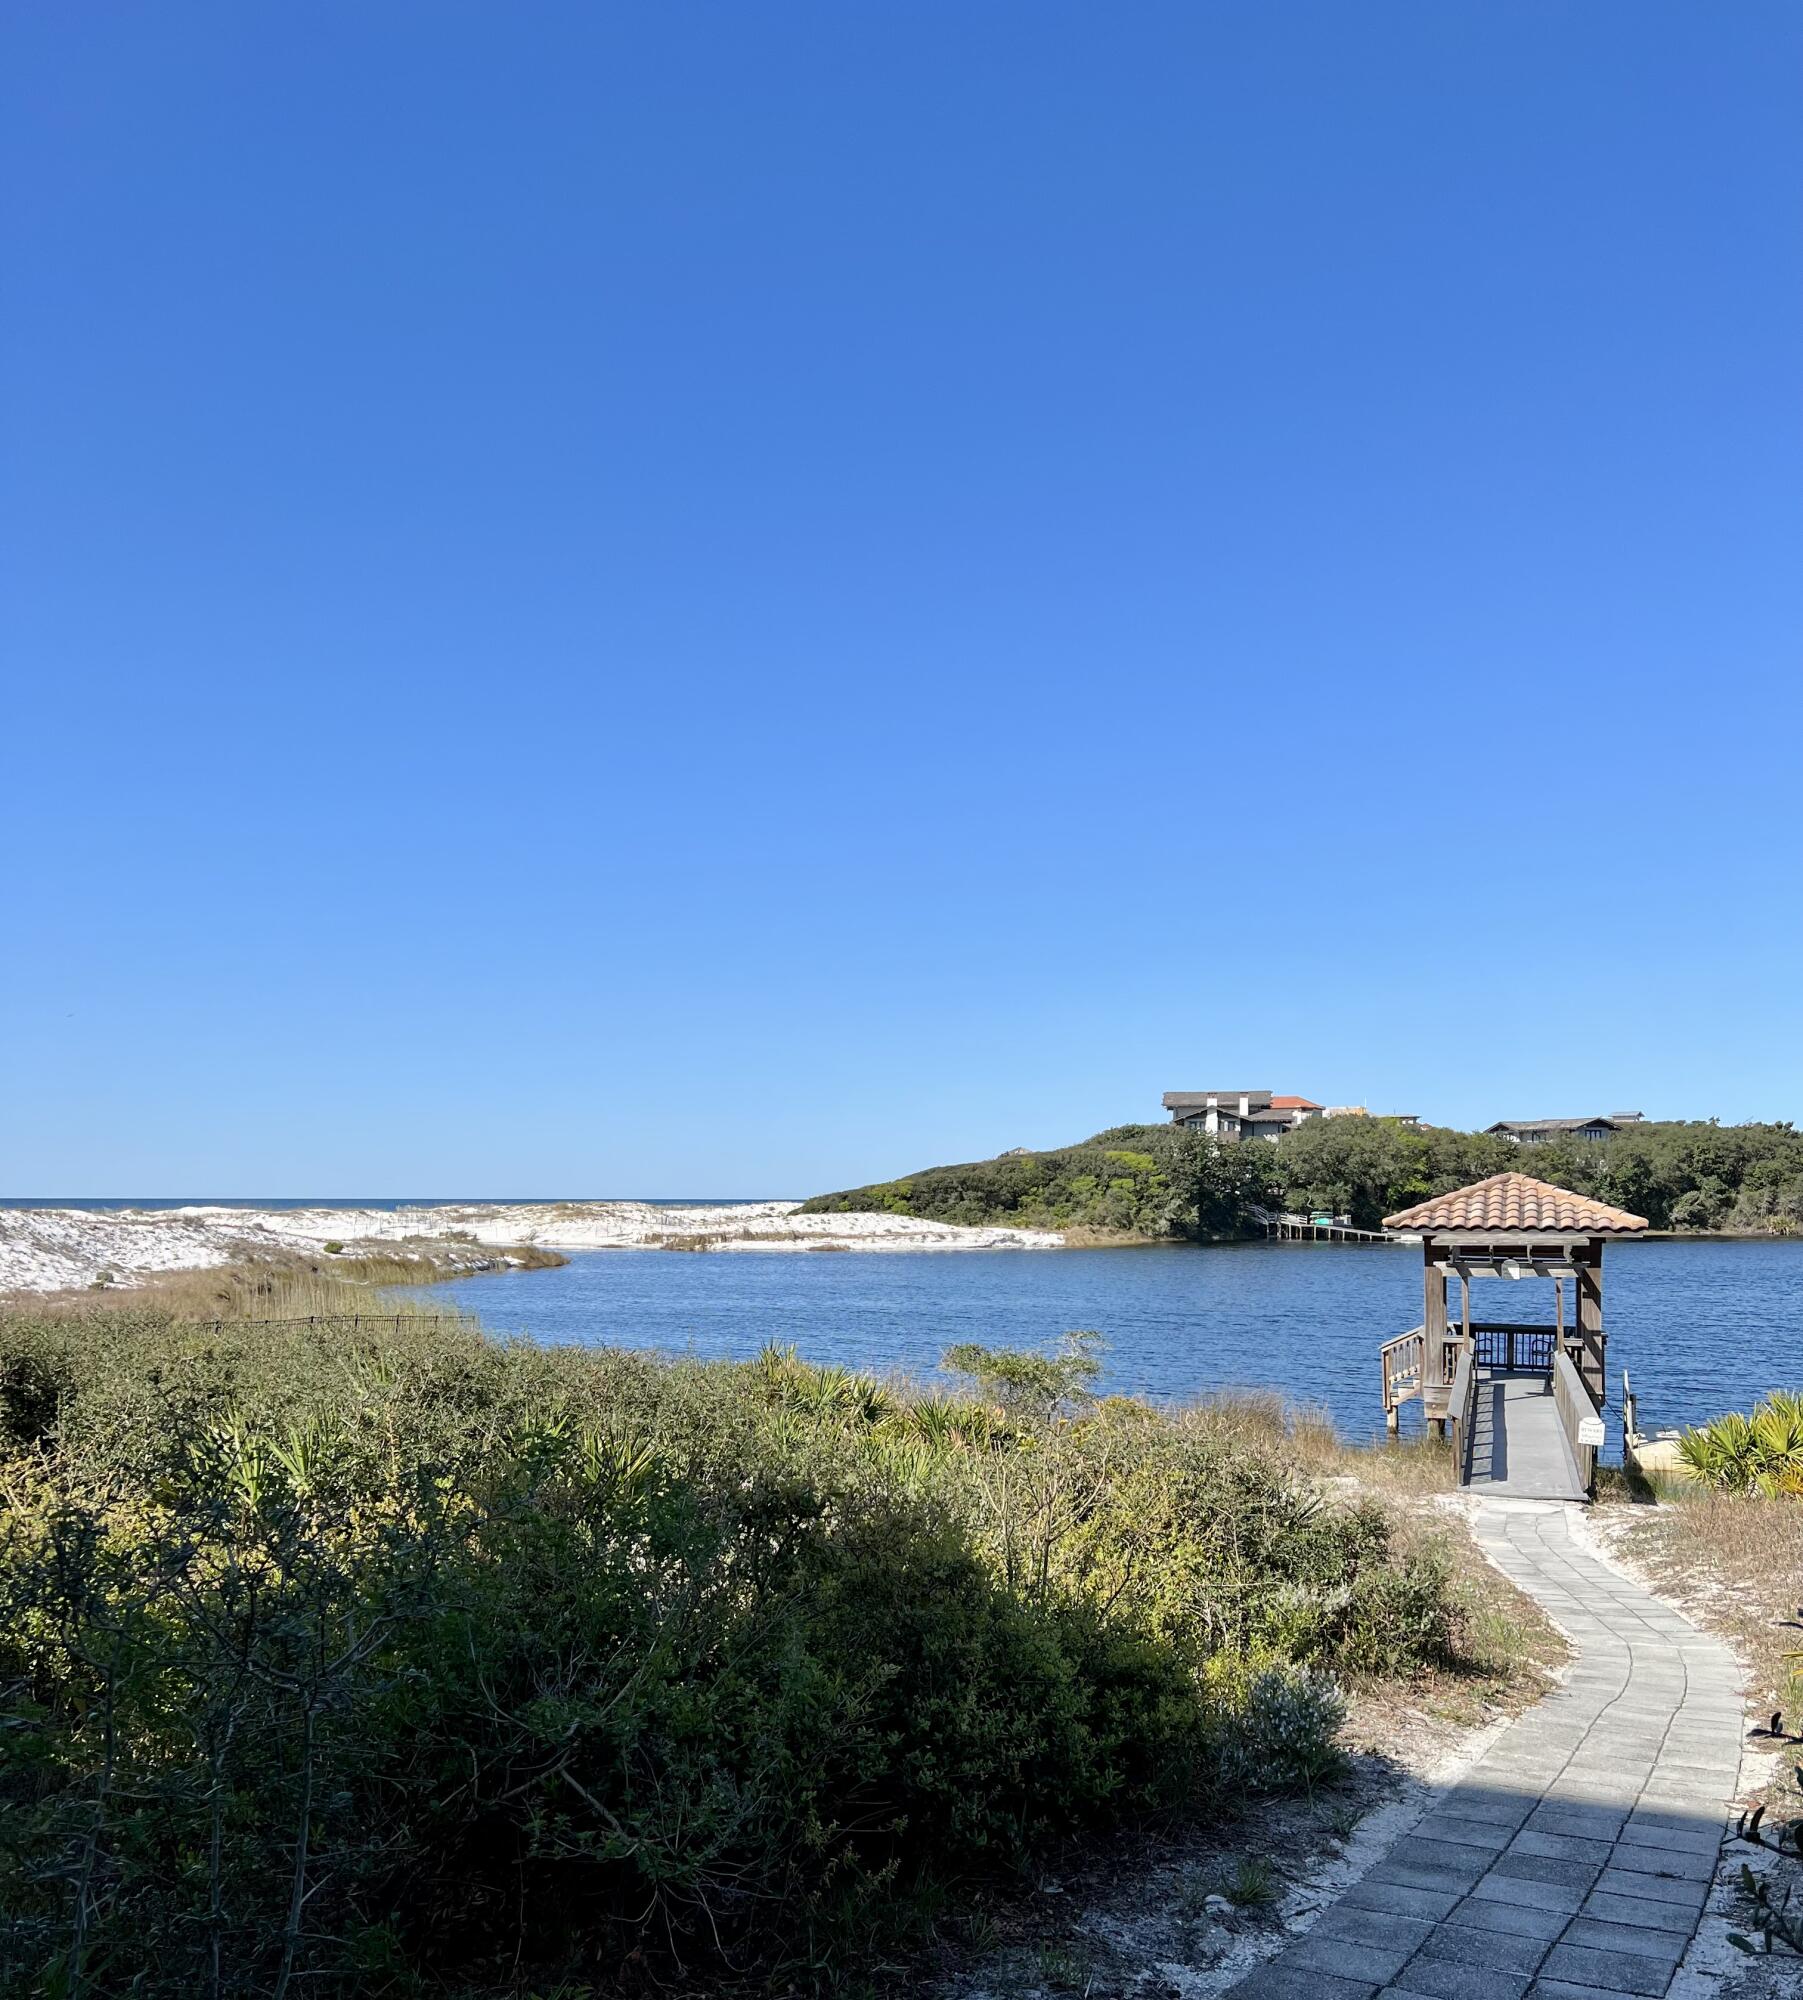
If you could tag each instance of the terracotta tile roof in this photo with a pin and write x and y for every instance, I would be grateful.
(1294, 1104)
(1516, 1204)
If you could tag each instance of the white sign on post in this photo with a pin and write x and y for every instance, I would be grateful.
(1590, 1430)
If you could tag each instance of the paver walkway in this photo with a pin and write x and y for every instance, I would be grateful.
(1573, 1860)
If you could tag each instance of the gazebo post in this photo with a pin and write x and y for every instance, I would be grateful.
(1433, 1328)
(1592, 1334)
(1433, 1300)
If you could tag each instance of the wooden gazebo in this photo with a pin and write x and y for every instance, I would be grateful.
(1508, 1226)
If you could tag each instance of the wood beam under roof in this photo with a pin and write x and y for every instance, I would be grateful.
(1507, 1267)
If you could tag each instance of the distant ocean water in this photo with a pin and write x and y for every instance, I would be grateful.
(383, 1201)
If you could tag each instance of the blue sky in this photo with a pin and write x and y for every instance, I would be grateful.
(727, 599)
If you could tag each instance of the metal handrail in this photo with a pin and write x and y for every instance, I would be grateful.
(1570, 1332)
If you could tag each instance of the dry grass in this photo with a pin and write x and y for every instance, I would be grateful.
(298, 1285)
(1079, 1236)
(1735, 1562)
(1409, 1468)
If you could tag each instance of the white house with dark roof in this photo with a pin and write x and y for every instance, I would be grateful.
(1239, 1114)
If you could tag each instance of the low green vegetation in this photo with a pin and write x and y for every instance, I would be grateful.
(1159, 1182)
(1762, 1453)
(337, 1660)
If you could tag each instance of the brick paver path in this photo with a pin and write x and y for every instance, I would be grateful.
(1572, 1861)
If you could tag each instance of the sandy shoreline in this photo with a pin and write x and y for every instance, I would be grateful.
(57, 1249)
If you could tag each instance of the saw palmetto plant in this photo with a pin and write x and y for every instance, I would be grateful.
(1761, 1453)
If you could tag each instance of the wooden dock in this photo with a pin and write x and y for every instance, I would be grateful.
(1299, 1229)
(1522, 1418)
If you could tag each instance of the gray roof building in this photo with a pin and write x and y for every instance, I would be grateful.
(1538, 1131)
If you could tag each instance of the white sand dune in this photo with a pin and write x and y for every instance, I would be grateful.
(55, 1249)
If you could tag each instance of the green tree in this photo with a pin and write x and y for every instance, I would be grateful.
(1164, 1181)
(1362, 1167)
(1217, 1182)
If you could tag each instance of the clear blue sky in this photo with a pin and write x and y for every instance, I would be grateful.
(725, 598)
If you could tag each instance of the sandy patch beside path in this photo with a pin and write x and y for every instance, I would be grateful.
(57, 1249)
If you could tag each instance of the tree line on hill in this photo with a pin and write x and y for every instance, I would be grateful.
(1164, 1182)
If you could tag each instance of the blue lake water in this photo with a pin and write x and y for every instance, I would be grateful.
(1702, 1326)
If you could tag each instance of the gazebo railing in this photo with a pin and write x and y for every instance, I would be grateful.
(1508, 1343)
(1408, 1371)
(1401, 1360)
(1503, 1343)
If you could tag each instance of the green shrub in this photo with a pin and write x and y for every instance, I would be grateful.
(1033, 1387)
(1128, 1181)
(394, 1661)
(1284, 1730)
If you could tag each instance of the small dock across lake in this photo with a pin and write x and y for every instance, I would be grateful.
(1307, 1229)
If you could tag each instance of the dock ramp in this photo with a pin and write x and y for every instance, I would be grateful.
(1518, 1447)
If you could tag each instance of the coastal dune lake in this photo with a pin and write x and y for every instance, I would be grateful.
(1701, 1325)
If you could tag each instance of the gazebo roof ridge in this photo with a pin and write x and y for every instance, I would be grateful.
(1515, 1204)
